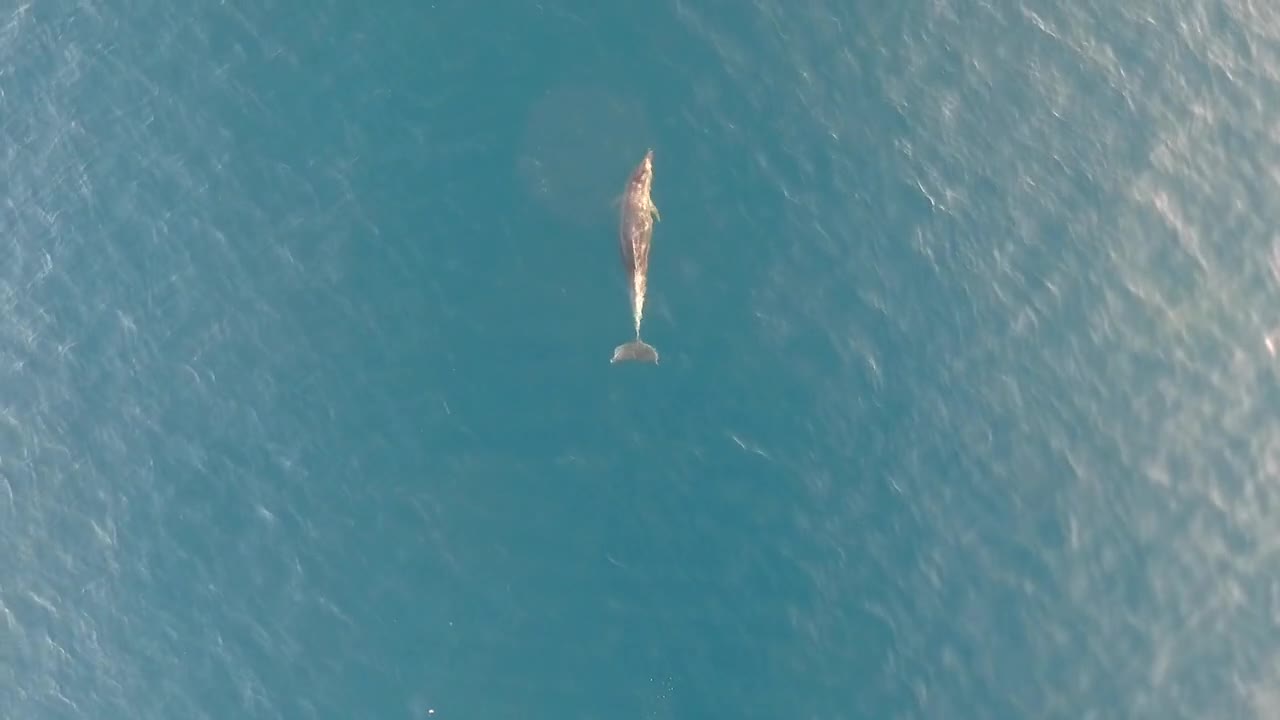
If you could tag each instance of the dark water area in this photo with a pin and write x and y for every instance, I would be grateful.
(966, 408)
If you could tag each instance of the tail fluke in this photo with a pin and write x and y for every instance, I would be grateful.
(637, 350)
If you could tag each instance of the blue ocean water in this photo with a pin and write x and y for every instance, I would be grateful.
(967, 403)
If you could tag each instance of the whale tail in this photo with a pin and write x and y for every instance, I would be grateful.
(637, 350)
